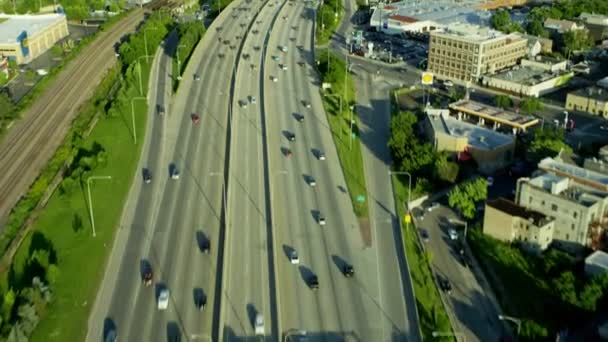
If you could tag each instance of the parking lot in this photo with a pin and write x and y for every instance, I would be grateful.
(394, 49)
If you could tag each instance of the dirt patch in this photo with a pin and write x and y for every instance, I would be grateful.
(366, 232)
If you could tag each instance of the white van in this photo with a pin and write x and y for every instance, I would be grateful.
(259, 324)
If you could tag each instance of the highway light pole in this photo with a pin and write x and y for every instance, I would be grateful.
(179, 69)
(141, 90)
(409, 185)
(213, 174)
(133, 116)
(448, 334)
(146, 39)
(90, 200)
(517, 321)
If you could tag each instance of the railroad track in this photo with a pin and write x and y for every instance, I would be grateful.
(29, 145)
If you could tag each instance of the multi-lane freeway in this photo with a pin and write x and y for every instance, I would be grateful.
(246, 130)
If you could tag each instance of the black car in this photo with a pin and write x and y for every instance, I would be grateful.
(206, 246)
(445, 285)
(300, 118)
(201, 301)
(313, 282)
(290, 136)
(147, 176)
(348, 270)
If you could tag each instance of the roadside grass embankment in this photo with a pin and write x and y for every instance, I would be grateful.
(59, 247)
(329, 16)
(431, 312)
(339, 117)
(189, 35)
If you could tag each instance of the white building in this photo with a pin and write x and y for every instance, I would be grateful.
(425, 16)
(25, 37)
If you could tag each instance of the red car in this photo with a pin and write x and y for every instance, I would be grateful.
(195, 118)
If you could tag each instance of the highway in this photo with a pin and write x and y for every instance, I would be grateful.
(247, 289)
(29, 144)
(357, 309)
(165, 222)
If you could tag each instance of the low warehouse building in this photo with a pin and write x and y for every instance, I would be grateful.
(592, 100)
(25, 37)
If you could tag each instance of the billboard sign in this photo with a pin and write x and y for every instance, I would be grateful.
(426, 78)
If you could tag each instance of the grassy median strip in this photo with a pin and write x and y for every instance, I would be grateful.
(348, 145)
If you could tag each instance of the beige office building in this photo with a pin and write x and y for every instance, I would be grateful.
(466, 52)
(25, 37)
(509, 222)
(592, 100)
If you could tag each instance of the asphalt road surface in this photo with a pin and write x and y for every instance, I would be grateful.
(30, 143)
(373, 110)
(167, 221)
(247, 282)
(352, 309)
(474, 311)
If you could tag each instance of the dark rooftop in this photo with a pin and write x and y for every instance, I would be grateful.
(513, 209)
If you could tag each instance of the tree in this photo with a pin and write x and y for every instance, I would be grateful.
(401, 128)
(576, 40)
(6, 107)
(532, 330)
(565, 287)
(536, 27)
(503, 101)
(465, 196)
(589, 296)
(501, 21)
(444, 169)
(547, 142)
(531, 105)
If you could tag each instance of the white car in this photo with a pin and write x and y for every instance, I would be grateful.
(321, 220)
(453, 234)
(312, 181)
(306, 104)
(293, 257)
(274, 78)
(283, 67)
(321, 155)
(163, 299)
(433, 206)
(174, 173)
(252, 100)
(259, 324)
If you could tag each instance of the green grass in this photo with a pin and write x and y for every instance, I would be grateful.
(350, 158)
(432, 315)
(82, 258)
(327, 22)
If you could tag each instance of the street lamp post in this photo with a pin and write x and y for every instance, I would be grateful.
(292, 332)
(212, 174)
(90, 200)
(338, 96)
(133, 116)
(409, 185)
(517, 321)
(448, 334)
(141, 90)
(179, 70)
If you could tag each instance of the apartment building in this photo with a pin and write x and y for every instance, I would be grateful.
(576, 197)
(466, 52)
(506, 221)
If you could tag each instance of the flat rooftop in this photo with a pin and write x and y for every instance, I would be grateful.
(593, 92)
(11, 26)
(598, 258)
(478, 137)
(441, 11)
(474, 33)
(528, 76)
(575, 194)
(513, 209)
(581, 175)
(494, 114)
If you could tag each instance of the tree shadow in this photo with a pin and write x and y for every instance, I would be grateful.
(77, 224)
